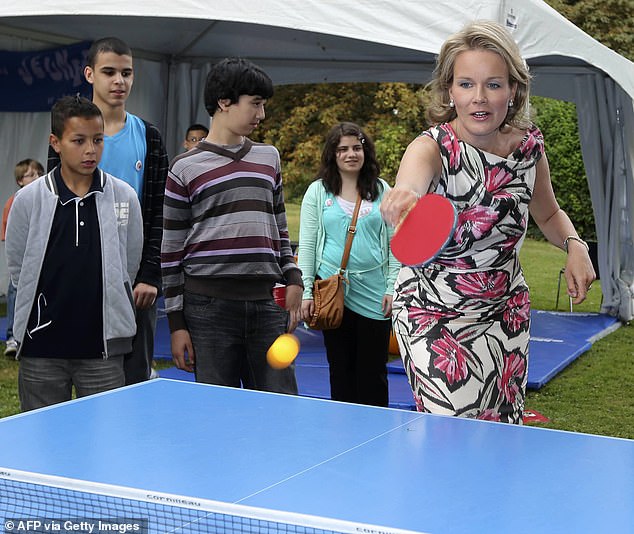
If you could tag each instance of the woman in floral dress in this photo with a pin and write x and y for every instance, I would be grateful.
(462, 322)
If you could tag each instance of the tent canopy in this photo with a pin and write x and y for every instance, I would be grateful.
(315, 40)
(175, 42)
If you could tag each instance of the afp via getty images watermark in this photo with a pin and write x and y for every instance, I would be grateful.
(89, 526)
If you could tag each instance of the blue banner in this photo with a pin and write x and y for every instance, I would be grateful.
(34, 80)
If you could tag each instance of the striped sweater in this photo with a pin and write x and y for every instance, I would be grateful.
(224, 226)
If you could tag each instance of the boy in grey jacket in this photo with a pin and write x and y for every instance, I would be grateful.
(73, 246)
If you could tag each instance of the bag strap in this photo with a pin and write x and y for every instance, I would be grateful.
(351, 231)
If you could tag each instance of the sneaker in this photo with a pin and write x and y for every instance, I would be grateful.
(11, 348)
(153, 374)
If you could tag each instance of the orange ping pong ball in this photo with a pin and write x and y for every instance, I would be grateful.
(283, 351)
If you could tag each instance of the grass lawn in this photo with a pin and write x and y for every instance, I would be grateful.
(594, 395)
(292, 216)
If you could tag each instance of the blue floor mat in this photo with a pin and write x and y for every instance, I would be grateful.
(557, 339)
(313, 382)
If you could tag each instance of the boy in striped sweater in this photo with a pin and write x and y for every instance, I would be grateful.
(226, 242)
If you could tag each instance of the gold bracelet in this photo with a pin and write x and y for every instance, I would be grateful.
(575, 238)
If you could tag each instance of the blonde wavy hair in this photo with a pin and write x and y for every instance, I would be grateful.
(480, 35)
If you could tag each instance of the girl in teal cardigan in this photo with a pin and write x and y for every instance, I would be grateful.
(357, 350)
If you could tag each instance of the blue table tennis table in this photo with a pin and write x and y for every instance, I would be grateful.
(395, 469)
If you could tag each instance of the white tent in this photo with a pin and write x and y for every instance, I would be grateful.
(175, 41)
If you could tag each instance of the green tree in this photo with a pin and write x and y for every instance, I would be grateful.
(299, 116)
(398, 116)
(558, 122)
(610, 22)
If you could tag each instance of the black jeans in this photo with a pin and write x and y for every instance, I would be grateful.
(230, 339)
(357, 355)
(137, 365)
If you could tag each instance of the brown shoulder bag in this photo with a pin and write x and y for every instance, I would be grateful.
(328, 293)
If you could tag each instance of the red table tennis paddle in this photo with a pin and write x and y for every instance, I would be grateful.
(424, 230)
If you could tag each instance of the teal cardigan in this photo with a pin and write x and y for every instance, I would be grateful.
(312, 238)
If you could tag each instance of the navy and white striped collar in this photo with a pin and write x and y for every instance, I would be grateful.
(57, 186)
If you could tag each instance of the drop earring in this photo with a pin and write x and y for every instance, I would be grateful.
(451, 103)
(511, 103)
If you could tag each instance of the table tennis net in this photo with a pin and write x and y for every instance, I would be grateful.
(43, 501)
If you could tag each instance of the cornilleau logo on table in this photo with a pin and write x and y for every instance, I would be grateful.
(380, 530)
(172, 500)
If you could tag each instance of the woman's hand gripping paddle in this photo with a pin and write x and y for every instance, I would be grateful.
(424, 230)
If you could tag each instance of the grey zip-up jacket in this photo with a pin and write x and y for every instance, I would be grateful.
(121, 230)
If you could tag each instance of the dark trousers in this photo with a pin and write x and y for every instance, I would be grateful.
(231, 338)
(138, 364)
(11, 293)
(357, 355)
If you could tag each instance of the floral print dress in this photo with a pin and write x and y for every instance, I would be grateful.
(462, 321)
